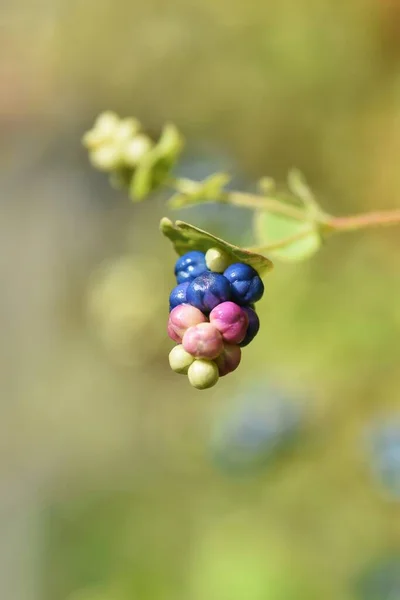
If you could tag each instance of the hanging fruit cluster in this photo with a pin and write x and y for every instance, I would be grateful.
(212, 315)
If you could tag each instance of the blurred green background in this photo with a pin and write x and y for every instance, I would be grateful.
(108, 489)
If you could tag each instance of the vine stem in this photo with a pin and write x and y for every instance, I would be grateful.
(324, 222)
(327, 222)
(264, 203)
(364, 221)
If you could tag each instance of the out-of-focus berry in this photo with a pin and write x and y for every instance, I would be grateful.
(229, 359)
(247, 286)
(255, 428)
(181, 318)
(231, 321)
(122, 302)
(217, 260)
(180, 360)
(189, 266)
(252, 328)
(208, 290)
(203, 374)
(178, 295)
(203, 341)
(384, 447)
(379, 580)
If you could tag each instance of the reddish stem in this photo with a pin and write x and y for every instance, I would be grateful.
(372, 219)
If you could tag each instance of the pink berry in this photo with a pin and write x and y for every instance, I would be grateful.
(231, 321)
(171, 333)
(181, 318)
(203, 341)
(229, 359)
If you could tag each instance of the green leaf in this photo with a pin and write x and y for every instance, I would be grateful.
(154, 167)
(170, 143)
(185, 237)
(271, 229)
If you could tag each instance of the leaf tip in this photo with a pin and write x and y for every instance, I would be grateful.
(165, 224)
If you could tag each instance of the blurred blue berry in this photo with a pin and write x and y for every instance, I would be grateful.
(380, 580)
(252, 328)
(256, 428)
(247, 286)
(178, 295)
(208, 290)
(189, 266)
(384, 448)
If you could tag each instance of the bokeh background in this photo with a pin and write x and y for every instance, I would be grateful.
(112, 483)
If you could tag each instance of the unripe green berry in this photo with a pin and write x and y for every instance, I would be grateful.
(135, 149)
(217, 260)
(105, 158)
(203, 374)
(180, 360)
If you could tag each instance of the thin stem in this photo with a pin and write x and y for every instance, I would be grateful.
(242, 199)
(363, 221)
(266, 203)
(326, 223)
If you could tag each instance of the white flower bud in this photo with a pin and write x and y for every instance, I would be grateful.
(180, 360)
(105, 158)
(103, 131)
(107, 122)
(217, 260)
(203, 374)
(126, 130)
(135, 149)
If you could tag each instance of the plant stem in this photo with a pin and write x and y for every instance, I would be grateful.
(266, 203)
(325, 222)
(363, 221)
(234, 198)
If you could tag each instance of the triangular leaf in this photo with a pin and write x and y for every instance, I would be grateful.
(272, 228)
(185, 237)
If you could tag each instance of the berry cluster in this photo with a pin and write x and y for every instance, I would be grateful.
(212, 315)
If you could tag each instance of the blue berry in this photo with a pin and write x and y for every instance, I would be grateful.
(190, 265)
(380, 580)
(384, 447)
(247, 286)
(178, 295)
(259, 424)
(252, 328)
(208, 290)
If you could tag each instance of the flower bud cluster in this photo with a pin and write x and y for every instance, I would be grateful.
(212, 315)
(133, 160)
